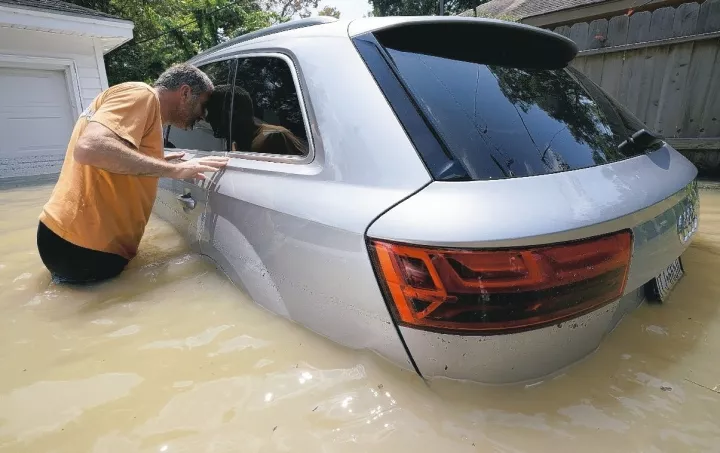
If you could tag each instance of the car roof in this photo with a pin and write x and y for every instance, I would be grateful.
(331, 26)
(267, 31)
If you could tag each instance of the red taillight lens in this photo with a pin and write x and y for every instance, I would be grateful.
(496, 291)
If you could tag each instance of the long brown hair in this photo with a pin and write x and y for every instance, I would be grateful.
(245, 125)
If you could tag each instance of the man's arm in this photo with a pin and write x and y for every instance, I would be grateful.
(100, 147)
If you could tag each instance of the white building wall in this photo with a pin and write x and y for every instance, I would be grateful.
(82, 50)
(88, 80)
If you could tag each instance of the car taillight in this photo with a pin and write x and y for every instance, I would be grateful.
(498, 291)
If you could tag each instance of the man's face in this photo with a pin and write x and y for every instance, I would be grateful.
(191, 108)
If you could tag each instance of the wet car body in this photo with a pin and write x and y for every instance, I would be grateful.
(465, 213)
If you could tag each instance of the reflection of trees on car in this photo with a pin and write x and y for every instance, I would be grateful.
(272, 89)
(590, 120)
(169, 31)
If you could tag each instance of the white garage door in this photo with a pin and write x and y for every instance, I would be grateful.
(36, 121)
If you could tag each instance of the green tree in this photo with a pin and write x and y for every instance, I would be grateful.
(329, 11)
(422, 7)
(287, 9)
(171, 31)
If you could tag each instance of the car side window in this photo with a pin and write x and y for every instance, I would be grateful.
(267, 117)
(211, 133)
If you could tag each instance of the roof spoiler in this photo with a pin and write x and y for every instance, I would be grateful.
(486, 41)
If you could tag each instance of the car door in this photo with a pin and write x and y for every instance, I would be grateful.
(247, 212)
(183, 202)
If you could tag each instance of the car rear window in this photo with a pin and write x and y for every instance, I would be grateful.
(505, 122)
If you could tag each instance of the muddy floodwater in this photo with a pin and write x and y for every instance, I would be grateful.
(170, 357)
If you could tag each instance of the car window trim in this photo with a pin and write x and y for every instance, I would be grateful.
(433, 152)
(264, 157)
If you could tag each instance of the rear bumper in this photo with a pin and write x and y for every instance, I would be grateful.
(502, 359)
(505, 359)
(592, 202)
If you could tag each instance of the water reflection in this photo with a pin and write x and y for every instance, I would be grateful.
(170, 357)
(44, 407)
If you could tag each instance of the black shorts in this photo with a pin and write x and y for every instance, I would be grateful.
(69, 263)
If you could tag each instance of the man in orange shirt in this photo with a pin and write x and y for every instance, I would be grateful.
(96, 216)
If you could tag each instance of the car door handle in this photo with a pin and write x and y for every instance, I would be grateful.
(187, 201)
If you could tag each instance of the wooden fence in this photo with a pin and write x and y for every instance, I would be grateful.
(663, 66)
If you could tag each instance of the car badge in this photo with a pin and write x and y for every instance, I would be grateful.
(687, 223)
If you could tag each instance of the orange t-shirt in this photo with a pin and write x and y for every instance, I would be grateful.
(97, 209)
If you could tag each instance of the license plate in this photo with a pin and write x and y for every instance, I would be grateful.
(659, 288)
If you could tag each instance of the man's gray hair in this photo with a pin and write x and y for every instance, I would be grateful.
(184, 74)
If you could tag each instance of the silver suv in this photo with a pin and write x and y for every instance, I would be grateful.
(446, 192)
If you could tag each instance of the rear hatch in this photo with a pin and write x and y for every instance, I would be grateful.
(550, 198)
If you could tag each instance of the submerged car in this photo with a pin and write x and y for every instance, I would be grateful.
(447, 192)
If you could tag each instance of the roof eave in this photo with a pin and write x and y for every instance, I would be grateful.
(116, 30)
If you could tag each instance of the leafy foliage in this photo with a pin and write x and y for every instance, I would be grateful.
(285, 9)
(421, 7)
(329, 11)
(272, 88)
(171, 31)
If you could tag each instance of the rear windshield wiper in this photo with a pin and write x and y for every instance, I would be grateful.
(640, 140)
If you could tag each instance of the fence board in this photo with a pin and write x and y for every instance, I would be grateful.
(664, 66)
(711, 20)
(698, 87)
(639, 28)
(710, 122)
(633, 77)
(579, 34)
(597, 33)
(686, 17)
(579, 64)
(695, 144)
(702, 17)
(661, 27)
(593, 68)
(673, 90)
(612, 69)
(564, 30)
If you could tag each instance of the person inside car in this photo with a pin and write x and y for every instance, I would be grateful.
(249, 133)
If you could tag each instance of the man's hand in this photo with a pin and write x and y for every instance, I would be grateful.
(194, 168)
